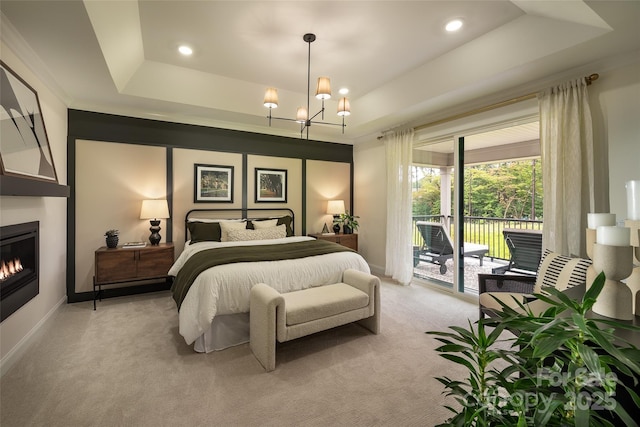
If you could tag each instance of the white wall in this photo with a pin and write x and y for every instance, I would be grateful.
(370, 202)
(615, 101)
(617, 94)
(52, 214)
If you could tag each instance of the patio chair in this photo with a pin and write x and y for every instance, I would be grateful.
(525, 247)
(437, 247)
(561, 272)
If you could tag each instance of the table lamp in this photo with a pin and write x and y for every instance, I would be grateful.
(335, 208)
(153, 210)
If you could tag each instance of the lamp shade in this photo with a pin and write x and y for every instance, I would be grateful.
(344, 109)
(301, 115)
(335, 207)
(271, 98)
(323, 89)
(154, 209)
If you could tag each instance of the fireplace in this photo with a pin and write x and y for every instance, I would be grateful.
(19, 264)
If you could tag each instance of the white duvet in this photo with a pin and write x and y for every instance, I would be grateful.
(225, 289)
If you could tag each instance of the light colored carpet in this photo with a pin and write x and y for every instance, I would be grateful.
(126, 365)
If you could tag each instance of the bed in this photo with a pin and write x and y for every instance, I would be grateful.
(224, 258)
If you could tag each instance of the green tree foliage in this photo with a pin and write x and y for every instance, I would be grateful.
(426, 194)
(494, 190)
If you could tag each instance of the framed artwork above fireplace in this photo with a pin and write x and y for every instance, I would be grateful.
(24, 147)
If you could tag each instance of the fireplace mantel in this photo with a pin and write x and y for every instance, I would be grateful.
(16, 186)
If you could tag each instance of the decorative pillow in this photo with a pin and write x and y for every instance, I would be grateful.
(259, 225)
(560, 271)
(227, 226)
(286, 220)
(277, 232)
(204, 231)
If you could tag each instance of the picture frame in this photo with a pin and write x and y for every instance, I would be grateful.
(24, 147)
(271, 185)
(212, 184)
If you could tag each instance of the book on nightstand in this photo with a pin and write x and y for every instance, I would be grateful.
(131, 245)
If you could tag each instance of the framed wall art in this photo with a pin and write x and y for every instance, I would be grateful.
(213, 184)
(271, 185)
(24, 146)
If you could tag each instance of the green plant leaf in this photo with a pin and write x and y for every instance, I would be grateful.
(459, 360)
(596, 287)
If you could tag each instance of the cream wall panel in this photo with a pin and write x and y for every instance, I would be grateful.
(294, 184)
(112, 179)
(325, 181)
(183, 185)
(17, 330)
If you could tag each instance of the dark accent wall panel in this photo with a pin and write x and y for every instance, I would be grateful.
(109, 127)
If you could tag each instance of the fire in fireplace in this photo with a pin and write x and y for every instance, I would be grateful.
(19, 264)
(10, 268)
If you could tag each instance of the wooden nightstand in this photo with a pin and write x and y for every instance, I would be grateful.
(348, 240)
(119, 265)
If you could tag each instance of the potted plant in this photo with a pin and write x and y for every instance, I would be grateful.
(112, 238)
(556, 368)
(349, 222)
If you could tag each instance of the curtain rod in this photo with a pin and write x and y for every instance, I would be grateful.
(590, 79)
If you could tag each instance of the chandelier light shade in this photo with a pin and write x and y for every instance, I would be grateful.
(323, 91)
(301, 115)
(344, 109)
(271, 98)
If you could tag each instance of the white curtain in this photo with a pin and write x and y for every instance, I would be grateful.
(399, 249)
(566, 139)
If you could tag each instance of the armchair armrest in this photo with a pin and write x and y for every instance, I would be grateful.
(506, 283)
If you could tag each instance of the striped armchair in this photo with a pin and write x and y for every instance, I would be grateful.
(555, 270)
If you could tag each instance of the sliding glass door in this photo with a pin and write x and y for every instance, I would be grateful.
(457, 229)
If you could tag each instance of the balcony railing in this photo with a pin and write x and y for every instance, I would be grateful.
(484, 231)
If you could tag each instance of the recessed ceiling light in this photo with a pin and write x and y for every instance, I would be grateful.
(185, 50)
(343, 91)
(454, 25)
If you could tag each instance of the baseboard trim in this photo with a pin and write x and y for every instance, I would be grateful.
(376, 270)
(14, 355)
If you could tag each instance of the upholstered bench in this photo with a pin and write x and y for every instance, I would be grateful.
(284, 317)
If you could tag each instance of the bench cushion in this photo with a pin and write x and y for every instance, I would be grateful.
(323, 301)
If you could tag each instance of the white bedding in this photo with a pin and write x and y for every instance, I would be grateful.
(225, 289)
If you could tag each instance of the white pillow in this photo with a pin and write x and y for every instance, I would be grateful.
(227, 226)
(259, 225)
(278, 232)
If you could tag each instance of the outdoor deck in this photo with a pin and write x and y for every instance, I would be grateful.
(431, 272)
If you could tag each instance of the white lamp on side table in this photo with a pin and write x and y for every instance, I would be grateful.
(154, 210)
(335, 208)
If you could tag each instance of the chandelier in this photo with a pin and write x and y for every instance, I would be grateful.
(323, 91)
